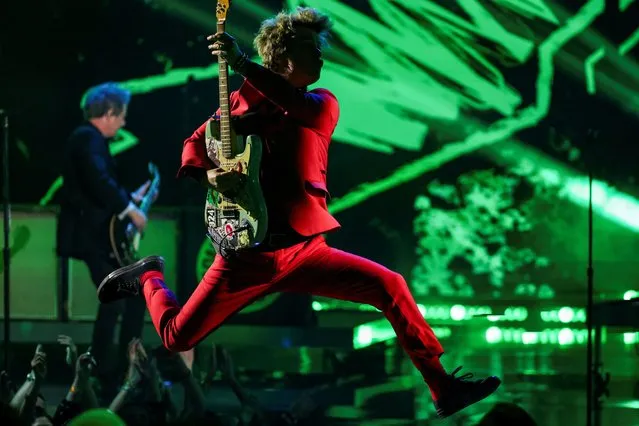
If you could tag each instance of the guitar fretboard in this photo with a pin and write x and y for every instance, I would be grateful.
(147, 200)
(225, 113)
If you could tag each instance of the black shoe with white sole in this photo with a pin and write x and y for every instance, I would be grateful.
(125, 282)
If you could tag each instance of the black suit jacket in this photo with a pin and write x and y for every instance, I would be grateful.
(90, 194)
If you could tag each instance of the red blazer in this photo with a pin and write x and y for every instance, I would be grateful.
(296, 128)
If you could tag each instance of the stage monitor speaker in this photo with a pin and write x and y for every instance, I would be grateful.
(160, 238)
(34, 266)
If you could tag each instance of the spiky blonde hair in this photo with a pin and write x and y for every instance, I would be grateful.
(275, 33)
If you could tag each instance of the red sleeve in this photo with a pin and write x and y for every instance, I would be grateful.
(317, 109)
(194, 155)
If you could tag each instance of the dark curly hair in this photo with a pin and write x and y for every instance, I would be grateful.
(276, 32)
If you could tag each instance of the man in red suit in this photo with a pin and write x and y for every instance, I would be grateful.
(296, 126)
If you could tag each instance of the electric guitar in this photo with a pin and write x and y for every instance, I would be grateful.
(234, 221)
(123, 235)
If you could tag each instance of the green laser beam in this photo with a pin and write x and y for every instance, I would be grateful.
(500, 130)
(532, 7)
(624, 4)
(589, 65)
(402, 87)
(173, 78)
(629, 43)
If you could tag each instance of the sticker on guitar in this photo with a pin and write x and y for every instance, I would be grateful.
(235, 220)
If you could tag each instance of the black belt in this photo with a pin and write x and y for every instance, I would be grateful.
(275, 241)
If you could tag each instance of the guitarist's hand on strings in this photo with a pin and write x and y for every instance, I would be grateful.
(138, 218)
(225, 181)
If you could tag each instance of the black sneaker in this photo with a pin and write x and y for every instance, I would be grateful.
(125, 282)
(462, 392)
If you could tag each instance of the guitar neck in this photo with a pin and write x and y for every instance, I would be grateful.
(225, 112)
(147, 200)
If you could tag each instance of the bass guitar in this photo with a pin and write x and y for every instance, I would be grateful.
(123, 235)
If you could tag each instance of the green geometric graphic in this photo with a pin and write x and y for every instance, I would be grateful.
(627, 45)
(589, 67)
(505, 128)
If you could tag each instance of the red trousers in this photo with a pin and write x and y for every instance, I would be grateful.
(309, 267)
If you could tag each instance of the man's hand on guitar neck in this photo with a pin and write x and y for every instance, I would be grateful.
(139, 193)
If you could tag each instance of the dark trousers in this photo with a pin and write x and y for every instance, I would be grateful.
(112, 366)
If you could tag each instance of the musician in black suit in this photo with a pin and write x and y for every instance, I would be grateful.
(91, 195)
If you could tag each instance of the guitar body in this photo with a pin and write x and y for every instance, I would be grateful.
(237, 221)
(124, 237)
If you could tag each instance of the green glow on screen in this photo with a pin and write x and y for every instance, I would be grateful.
(380, 331)
(505, 128)
(549, 336)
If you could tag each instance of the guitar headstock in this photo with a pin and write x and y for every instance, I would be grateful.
(154, 171)
(222, 9)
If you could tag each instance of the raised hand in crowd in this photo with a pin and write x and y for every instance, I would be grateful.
(39, 364)
(25, 399)
(137, 356)
(133, 377)
(72, 350)
(178, 369)
(81, 395)
(252, 409)
(84, 364)
(148, 368)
